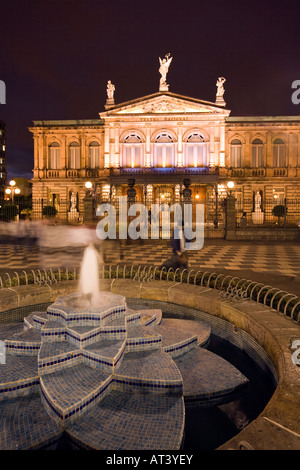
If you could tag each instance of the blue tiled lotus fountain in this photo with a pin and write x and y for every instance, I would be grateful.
(107, 376)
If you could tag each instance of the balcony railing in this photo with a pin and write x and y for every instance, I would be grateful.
(165, 171)
(254, 172)
(223, 172)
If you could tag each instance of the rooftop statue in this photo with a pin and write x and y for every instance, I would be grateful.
(163, 70)
(220, 87)
(110, 90)
(220, 91)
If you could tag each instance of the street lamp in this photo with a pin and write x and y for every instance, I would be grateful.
(230, 186)
(12, 190)
(88, 184)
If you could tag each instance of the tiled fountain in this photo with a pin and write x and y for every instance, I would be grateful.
(107, 376)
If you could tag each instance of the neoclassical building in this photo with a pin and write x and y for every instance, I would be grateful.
(163, 143)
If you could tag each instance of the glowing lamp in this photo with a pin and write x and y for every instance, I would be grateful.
(12, 183)
(88, 184)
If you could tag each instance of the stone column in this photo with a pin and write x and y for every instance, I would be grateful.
(147, 158)
(106, 148)
(222, 147)
(212, 146)
(230, 218)
(269, 150)
(117, 148)
(89, 208)
(179, 145)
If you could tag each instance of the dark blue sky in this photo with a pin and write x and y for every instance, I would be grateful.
(57, 56)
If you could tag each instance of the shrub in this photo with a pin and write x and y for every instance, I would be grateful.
(49, 211)
(10, 211)
(279, 211)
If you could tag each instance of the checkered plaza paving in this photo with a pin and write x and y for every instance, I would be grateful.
(281, 258)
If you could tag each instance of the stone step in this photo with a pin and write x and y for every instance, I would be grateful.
(18, 376)
(140, 337)
(152, 371)
(83, 336)
(39, 319)
(72, 310)
(56, 356)
(27, 434)
(176, 342)
(53, 331)
(200, 329)
(151, 317)
(180, 336)
(25, 343)
(208, 379)
(105, 355)
(148, 422)
(132, 316)
(69, 393)
(28, 322)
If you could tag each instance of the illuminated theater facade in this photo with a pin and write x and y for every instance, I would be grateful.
(162, 144)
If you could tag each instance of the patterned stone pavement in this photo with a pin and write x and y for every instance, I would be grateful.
(270, 256)
(256, 259)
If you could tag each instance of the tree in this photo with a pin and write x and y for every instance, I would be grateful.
(49, 211)
(10, 211)
(279, 211)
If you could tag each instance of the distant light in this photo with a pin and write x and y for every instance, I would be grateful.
(12, 183)
(8, 191)
(88, 185)
(230, 184)
(162, 196)
(17, 191)
(197, 196)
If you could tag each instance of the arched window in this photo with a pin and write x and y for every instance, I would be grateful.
(257, 153)
(132, 154)
(236, 153)
(164, 150)
(279, 153)
(94, 155)
(195, 150)
(54, 156)
(74, 156)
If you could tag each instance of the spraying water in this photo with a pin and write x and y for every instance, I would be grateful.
(89, 274)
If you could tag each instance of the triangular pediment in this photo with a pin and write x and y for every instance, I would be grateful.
(164, 103)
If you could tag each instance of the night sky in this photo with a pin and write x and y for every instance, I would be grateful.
(57, 56)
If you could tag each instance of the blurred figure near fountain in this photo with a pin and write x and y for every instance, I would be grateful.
(89, 284)
(178, 244)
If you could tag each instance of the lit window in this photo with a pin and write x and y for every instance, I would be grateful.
(257, 153)
(94, 155)
(54, 156)
(236, 153)
(132, 152)
(74, 155)
(279, 153)
(195, 151)
(164, 150)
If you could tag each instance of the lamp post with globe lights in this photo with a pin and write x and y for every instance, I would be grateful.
(12, 190)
